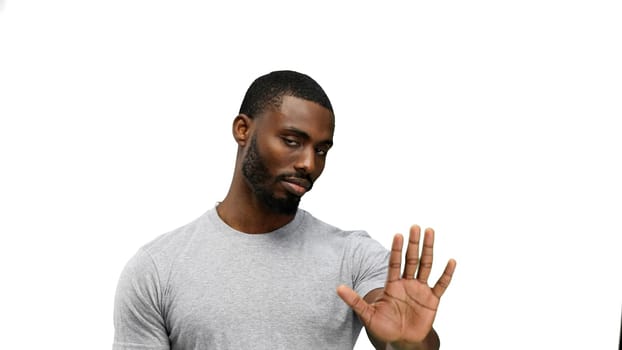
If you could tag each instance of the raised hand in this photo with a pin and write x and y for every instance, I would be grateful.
(405, 310)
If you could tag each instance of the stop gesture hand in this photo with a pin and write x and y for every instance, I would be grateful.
(403, 313)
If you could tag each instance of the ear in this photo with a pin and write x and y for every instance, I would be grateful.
(242, 129)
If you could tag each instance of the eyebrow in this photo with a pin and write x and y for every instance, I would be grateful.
(306, 136)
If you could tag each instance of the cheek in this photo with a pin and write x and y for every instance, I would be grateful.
(320, 164)
(277, 156)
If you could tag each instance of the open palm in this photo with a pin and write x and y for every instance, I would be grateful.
(405, 310)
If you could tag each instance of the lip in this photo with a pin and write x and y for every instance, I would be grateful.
(296, 186)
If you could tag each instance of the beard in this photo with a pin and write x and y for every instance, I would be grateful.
(258, 177)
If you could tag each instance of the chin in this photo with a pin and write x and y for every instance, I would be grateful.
(284, 206)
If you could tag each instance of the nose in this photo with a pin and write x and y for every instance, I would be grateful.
(306, 161)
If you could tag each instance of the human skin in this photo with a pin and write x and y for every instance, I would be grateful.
(291, 143)
(400, 315)
(292, 140)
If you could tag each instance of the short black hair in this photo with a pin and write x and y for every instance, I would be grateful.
(268, 91)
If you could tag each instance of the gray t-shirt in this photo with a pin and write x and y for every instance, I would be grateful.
(208, 286)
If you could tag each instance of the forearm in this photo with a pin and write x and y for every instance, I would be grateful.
(431, 342)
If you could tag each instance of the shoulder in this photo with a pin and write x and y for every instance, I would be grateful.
(330, 232)
(160, 254)
(176, 240)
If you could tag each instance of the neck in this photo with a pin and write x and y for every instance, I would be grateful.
(242, 211)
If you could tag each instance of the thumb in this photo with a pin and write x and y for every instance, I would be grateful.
(358, 304)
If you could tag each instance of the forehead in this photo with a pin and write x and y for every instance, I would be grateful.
(298, 113)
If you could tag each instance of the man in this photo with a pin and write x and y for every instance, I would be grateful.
(257, 272)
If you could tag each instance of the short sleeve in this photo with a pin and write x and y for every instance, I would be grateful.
(138, 320)
(369, 263)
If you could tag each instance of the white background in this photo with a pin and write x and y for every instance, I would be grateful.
(492, 121)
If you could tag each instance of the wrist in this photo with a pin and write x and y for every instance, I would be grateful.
(406, 346)
(430, 342)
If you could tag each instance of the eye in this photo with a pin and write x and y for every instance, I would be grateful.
(291, 142)
(321, 151)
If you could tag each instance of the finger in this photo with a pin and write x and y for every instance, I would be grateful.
(425, 263)
(395, 259)
(443, 282)
(358, 304)
(412, 253)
